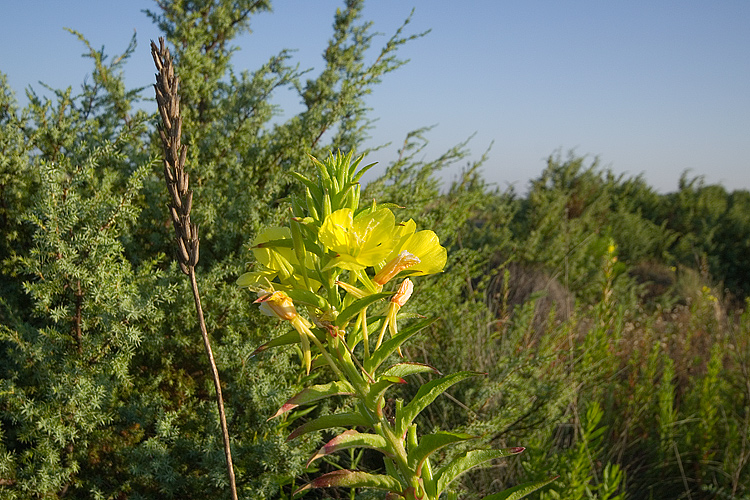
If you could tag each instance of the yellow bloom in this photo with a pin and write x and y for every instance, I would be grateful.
(360, 241)
(276, 261)
(422, 245)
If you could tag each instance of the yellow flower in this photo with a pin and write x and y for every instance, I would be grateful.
(276, 261)
(424, 254)
(359, 242)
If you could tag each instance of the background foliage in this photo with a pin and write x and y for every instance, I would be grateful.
(610, 319)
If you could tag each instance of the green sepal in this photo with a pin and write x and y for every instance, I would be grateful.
(426, 395)
(353, 479)
(445, 475)
(328, 422)
(520, 491)
(389, 346)
(322, 169)
(409, 368)
(374, 206)
(378, 389)
(351, 439)
(337, 200)
(312, 208)
(356, 307)
(430, 443)
(315, 393)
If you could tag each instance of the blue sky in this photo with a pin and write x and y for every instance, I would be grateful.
(649, 87)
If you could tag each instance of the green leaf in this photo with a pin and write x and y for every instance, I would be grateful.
(313, 187)
(329, 421)
(351, 439)
(355, 307)
(308, 298)
(288, 338)
(378, 389)
(356, 177)
(315, 393)
(426, 395)
(389, 346)
(455, 468)
(353, 479)
(291, 337)
(519, 491)
(279, 243)
(432, 442)
(409, 368)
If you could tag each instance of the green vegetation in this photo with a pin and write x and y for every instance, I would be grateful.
(611, 321)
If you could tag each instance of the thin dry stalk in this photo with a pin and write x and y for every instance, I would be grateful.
(168, 101)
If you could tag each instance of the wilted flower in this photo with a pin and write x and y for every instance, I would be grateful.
(397, 302)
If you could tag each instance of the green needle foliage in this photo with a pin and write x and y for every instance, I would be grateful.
(611, 320)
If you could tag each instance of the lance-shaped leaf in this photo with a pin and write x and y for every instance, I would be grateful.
(430, 443)
(329, 421)
(520, 491)
(308, 298)
(279, 243)
(389, 346)
(378, 389)
(353, 479)
(426, 395)
(351, 439)
(409, 368)
(355, 307)
(315, 393)
(291, 337)
(458, 466)
(312, 186)
(357, 176)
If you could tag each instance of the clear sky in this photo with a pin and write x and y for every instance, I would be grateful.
(652, 87)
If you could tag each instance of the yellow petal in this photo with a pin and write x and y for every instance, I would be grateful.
(426, 246)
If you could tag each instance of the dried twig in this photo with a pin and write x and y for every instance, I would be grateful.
(168, 101)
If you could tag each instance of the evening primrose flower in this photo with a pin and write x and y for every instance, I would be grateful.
(276, 261)
(418, 252)
(359, 242)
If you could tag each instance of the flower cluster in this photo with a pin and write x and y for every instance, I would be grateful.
(334, 253)
(322, 274)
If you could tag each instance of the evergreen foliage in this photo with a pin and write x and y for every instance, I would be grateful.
(612, 321)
